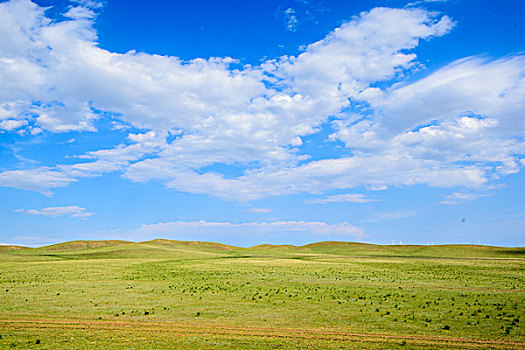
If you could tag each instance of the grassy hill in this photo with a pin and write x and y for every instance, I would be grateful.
(437, 251)
(81, 245)
(6, 248)
(172, 249)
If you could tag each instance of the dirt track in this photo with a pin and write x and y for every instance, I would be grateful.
(182, 330)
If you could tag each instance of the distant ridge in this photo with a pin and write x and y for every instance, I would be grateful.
(173, 249)
(7, 247)
(170, 242)
(75, 245)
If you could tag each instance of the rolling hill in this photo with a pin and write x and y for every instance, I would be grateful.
(172, 249)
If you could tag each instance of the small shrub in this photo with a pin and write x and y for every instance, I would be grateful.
(37, 341)
(446, 327)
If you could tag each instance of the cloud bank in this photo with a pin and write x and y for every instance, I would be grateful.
(71, 211)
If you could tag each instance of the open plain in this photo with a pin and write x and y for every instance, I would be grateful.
(196, 295)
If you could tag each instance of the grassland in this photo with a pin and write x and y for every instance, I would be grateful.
(193, 295)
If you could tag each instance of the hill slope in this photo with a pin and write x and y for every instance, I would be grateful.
(171, 249)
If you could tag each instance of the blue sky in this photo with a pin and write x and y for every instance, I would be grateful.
(249, 122)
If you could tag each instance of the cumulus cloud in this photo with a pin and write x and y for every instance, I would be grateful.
(195, 114)
(464, 118)
(10, 125)
(71, 211)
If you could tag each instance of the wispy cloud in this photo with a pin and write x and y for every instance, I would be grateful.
(290, 19)
(92, 4)
(302, 11)
(259, 210)
(348, 197)
(461, 197)
(419, 2)
(71, 211)
(252, 228)
(38, 179)
(392, 215)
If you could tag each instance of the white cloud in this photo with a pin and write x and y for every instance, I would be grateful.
(434, 131)
(71, 211)
(10, 125)
(470, 86)
(347, 197)
(40, 179)
(90, 4)
(419, 2)
(200, 95)
(259, 210)
(80, 12)
(465, 117)
(393, 215)
(460, 197)
(290, 19)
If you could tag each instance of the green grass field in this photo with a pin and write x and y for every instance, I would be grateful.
(169, 294)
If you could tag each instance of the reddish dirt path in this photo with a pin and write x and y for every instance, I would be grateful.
(315, 334)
